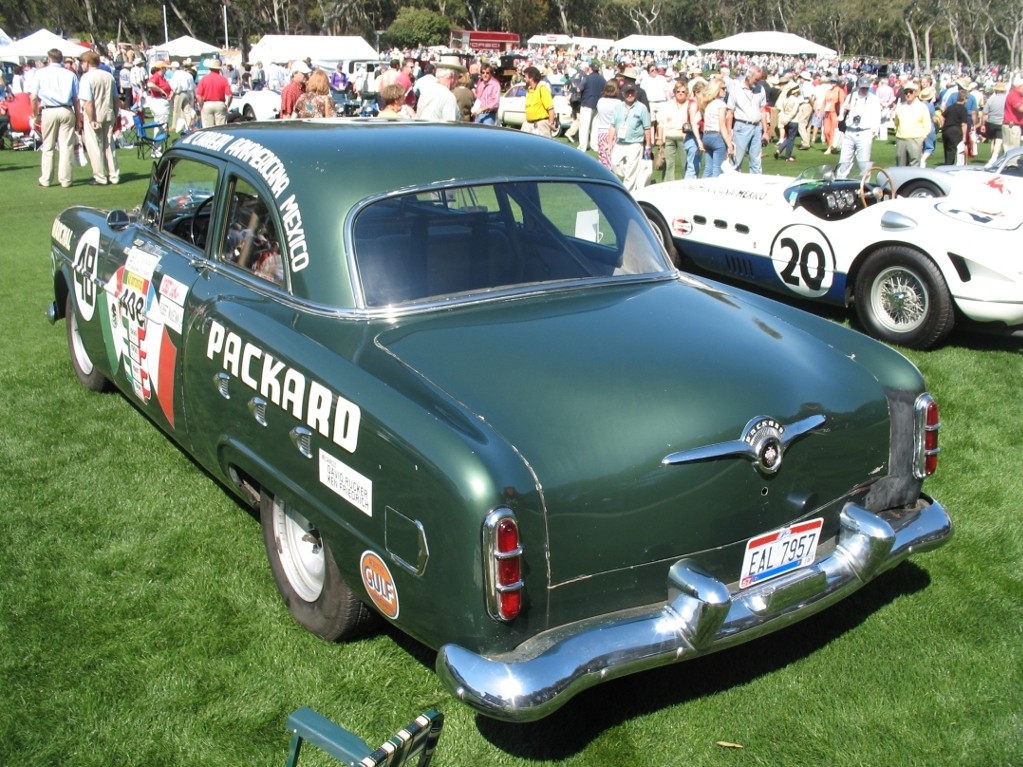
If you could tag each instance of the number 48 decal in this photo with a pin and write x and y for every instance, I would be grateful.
(803, 260)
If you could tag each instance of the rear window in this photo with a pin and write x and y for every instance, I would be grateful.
(465, 240)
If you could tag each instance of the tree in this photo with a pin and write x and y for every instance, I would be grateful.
(414, 27)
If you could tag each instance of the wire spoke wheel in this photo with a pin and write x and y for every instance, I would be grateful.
(899, 299)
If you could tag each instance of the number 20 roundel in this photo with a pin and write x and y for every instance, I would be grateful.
(803, 260)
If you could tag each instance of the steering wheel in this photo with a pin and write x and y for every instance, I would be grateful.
(887, 183)
(193, 230)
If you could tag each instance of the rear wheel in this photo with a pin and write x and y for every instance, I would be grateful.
(248, 112)
(306, 574)
(902, 298)
(87, 373)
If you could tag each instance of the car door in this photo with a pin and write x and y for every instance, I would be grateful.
(148, 290)
(247, 398)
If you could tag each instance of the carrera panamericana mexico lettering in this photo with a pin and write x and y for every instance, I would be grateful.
(308, 400)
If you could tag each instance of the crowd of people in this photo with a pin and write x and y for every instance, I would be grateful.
(685, 114)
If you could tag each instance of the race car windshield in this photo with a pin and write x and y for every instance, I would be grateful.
(466, 240)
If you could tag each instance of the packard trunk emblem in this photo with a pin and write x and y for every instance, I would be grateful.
(763, 441)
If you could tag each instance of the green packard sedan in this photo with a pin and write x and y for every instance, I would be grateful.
(457, 374)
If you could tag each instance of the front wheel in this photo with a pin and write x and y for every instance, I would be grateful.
(664, 235)
(920, 189)
(902, 298)
(86, 372)
(307, 576)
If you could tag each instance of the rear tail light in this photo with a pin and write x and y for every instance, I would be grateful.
(926, 435)
(502, 564)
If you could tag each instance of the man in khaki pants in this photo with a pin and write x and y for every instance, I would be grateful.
(56, 109)
(98, 95)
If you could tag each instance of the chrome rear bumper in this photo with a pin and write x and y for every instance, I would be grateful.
(699, 617)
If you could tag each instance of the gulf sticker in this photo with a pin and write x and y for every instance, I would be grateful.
(379, 584)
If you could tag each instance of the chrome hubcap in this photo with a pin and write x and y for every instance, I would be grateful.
(301, 551)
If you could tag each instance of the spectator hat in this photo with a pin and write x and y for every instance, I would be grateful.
(300, 66)
(927, 94)
(630, 73)
(910, 86)
(213, 64)
(864, 82)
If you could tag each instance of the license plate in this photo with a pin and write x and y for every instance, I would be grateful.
(773, 554)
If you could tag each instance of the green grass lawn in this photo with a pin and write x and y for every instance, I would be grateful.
(139, 624)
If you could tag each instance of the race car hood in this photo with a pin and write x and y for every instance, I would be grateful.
(594, 388)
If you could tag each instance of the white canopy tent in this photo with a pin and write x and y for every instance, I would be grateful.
(568, 41)
(283, 49)
(39, 43)
(653, 43)
(4, 39)
(185, 46)
(768, 42)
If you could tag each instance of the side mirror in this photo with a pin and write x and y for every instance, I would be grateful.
(118, 220)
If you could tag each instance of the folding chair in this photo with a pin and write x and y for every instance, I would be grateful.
(413, 745)
(146, 142)
(124, 134)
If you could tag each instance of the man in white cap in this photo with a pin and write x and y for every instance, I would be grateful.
(862, 112)
(183, 88)
(294, 89)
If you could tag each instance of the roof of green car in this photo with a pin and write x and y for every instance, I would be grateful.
(330, 166)
(375, 156)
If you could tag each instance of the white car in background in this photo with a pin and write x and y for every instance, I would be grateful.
(938, 181)
(257, 105)
(912, 268)
(512, 109)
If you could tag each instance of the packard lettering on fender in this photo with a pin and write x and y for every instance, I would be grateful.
(328, 413)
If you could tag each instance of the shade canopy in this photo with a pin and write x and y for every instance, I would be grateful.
(768, 42)
(186, 46)
(653, 43)
(39, 43)
(4, 39)
(283, 49)
(583, 43)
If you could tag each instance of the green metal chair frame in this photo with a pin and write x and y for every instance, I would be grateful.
(413, 745)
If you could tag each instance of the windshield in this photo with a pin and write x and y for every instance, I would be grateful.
(424, 245)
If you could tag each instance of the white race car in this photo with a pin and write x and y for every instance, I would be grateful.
(938, 182)
(911, 267)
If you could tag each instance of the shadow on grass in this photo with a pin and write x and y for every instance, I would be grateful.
(569, 730)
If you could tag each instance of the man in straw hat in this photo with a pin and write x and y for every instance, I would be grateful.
(912, 124)
(213, 94)
(436, 100)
